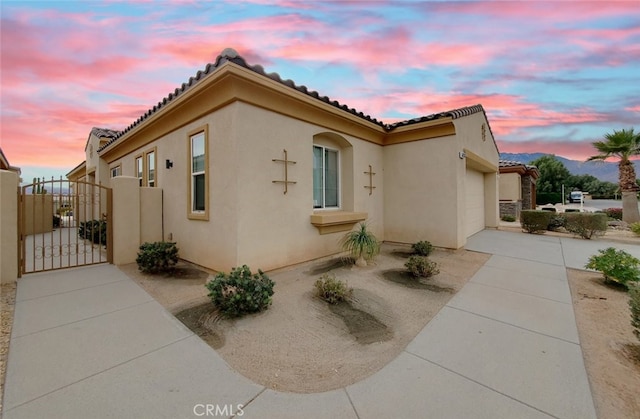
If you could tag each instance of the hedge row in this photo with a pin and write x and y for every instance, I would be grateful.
(583, 224)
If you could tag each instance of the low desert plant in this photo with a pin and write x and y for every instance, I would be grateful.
(556, 222)
(240, 291)
(634, 305)
(157, 257)
(586, 225)
(508, 218)
(635, 227)
(614, 213)
(420, 266)
(534, 221)
(332, 290)
(362, 244)
(422, 248)
(94, 230)
(616, 265)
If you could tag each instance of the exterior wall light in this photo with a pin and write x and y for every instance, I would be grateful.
(461, 155)
(168, 164)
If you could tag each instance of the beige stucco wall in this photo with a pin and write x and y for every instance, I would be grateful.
(8, 226)
(510, 187)
(126, 219)
(275, 229)
(150, 215)
(420, 192)
(38, 213)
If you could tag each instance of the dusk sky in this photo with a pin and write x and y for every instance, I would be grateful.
(552, 76)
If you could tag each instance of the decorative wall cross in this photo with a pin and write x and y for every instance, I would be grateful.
(370, 173)
(286, 180)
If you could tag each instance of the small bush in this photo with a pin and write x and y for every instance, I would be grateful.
(240, 292)
(332, 290)
(534, 221)
(615, 213)
(157, 257)
(556, 223)
(420, 266)
(616, 265)
(422, 248)
(94, 230)
(508, 218)
(635, 227)
(586, 225)
(634, 305)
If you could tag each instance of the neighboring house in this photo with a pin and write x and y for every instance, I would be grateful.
(4, 164)
(517, 187)
(222, 146)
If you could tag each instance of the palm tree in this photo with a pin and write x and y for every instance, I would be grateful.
(623, 144)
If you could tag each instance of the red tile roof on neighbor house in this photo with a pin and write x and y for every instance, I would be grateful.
(230, 55)
(507, 166)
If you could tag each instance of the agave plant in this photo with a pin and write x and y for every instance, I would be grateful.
(362, 245)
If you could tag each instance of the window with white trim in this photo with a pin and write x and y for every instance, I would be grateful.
(139, 169)
(326, 174)
(198, 173)
(116, 171)
(151, 168)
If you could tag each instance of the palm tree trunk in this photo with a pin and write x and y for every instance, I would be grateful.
(629, 189)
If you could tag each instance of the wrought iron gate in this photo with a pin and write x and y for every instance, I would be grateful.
(64, 224)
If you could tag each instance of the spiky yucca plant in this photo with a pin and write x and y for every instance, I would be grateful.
(362, 244)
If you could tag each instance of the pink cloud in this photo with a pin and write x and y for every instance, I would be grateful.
(573, 150)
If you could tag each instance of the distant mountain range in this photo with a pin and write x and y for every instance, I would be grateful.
(606, 171)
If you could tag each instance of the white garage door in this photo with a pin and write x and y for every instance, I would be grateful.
(474, 211)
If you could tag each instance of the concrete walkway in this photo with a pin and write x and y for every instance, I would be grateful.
(89, 342)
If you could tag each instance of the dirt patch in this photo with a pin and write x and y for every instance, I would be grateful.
(205, 321)
(402, 253)
(302, 344)
(7, 306)
(611, 350)
(404, 278)
(182, 288)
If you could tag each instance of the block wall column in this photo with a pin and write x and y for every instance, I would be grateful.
(8, 226)
(126, 219)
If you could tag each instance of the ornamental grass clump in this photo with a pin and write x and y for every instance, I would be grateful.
(616, 266)
(361, 244)
(635, 227)
(240, 291)
(332, 290)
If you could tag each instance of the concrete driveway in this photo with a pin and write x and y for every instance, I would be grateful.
(89, 342)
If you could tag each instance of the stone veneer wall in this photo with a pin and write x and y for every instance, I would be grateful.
(527, 192)
(510, 208)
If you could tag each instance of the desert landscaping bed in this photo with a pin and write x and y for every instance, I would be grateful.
(301, 343)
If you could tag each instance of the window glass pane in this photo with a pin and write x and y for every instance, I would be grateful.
(151, 168)
(318, 185)
(197, 153)
(139, 167)
(331, 178)
(198, 192)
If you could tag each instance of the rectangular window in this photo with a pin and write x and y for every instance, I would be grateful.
(326, 191)
(116, 171)
(198, 176)
(139, 169)
(151, 169)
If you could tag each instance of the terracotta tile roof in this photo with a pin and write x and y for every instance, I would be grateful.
(104, 132)
(506, 164)
(230, 55)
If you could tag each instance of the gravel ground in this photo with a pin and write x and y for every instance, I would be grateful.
(7, 303)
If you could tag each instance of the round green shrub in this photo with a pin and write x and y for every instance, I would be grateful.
(240, 291)
(332, 290)
(157, 257)
(535, 221)
(420, 266)
(508, 218)
(616, 265)
(586, 225)
(635, 227)
(422, 248)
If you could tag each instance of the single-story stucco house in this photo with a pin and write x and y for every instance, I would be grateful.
(261, 171)
(517, 187)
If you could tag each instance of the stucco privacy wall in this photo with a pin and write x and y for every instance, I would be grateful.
(38, 211)
(126, 219)
(510, 187)
(150, 215)
(284, 220)
(8, 226)
(420, 199)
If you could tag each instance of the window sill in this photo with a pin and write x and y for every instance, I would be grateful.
(334, 221)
